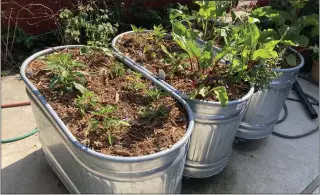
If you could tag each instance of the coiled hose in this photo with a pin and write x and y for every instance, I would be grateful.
(17, 104)
(314, 102)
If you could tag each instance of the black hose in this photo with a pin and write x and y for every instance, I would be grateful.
(304, 100)
(314, 102)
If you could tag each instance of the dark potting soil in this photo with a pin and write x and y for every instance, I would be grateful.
(284, 64)
(184, 78)
(148, 133)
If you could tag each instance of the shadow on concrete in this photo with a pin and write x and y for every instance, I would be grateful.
(31, 175)
(217, 184)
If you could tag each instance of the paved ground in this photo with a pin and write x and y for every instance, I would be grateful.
(271, 165)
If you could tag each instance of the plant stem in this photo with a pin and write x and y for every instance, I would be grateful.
(205, 30)
(190, 61)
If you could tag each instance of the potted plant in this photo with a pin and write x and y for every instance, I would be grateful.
(209, 20)
(103, 127)
(315, 64)
(259, 121)
(216, 87)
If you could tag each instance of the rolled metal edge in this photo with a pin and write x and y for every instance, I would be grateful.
(85, 149)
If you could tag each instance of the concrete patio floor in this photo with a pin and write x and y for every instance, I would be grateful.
(270, 165)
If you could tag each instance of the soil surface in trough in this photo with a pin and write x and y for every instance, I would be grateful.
(156, 122)
(179, 73)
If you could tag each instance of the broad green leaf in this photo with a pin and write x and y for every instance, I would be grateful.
(303, 41)
(253, 20)
(203, 91)
(251, 34)
(221, 54)
(193, 94)
(291, 60)
(175, 13)
(53, 81)
(124, 123)
(79, 87)
(78, 64)
(65, 58)
(206, 58)
(207, 9)
(288, 43)
(237, 65)
(270, 45)
(65, 73)
(264, 54)
(164, 49)
(110, 138)
(261, 11)
(83, 50)
(221, 94)
(267, 35)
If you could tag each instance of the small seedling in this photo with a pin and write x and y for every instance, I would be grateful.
(85, 101)
(158, 32)
(62, 66)
(152, 113)
(137, 29)
(155, 94)
(117, 70)
(135, 83)
(106, 122)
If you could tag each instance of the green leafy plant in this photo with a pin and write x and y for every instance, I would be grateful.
(117, 70)
(158, 32)
(288, 27)
(186, 39)
(208, 19)
(175, 60)
(251, 55)
(315, 52)
(152, 113)
(88, 25)
(65, 74)
(135, 82)
(86, 101)
(101, 120)
(155, 93)
(137, 29)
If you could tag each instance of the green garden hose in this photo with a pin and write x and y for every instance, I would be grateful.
(5, 141)
(17, 104)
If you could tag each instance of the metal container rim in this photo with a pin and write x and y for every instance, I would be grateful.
(70, 136)
(233, 102)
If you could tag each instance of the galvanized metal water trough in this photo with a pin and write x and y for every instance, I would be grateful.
(214, 130)
(265, 106)
(83, 170)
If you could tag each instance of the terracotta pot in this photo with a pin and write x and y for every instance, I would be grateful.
(315, 71)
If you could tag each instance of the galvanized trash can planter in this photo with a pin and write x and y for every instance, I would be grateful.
(83, 170)
(214, 130)
(265, 106)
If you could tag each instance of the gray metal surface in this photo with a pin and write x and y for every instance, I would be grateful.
(213, 135)
(264, 107)
(83, 170)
